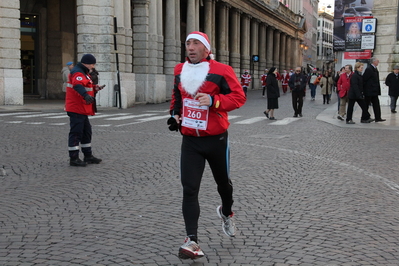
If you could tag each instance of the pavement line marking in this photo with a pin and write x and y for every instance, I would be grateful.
(142, 120)
(103, 125)
(19, 113)
(284, 121)
(392, 185)
(14, 122)
(250, 120)
(57, 124)
(36, 115)
(233, 116)
(58, 116)
(35, 123)
(102, 116)
(128, 117)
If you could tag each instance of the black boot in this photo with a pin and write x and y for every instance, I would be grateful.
(92, 159)
(77, 162)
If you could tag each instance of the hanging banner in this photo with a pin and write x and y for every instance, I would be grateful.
(366, 54)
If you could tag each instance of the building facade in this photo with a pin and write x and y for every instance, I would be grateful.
(325, 53)
(38, 37)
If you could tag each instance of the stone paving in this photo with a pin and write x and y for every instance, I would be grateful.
(308, 191)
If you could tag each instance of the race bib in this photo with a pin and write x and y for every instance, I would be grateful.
(194, 116)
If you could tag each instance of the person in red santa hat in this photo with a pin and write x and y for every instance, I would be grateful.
(204, 92)
(285, 77)
(245, 81)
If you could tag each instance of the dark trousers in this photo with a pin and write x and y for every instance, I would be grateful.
(297, 101)
(79, 133)
(194, 152)
(362, 104)
(376, 105)
(264, 89)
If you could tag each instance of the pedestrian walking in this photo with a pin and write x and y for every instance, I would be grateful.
(79, 104)
(297, 84)
(65, 73)
(355, 94)
(343, 86)
(372, 88)
(392, 81)
(204, 92)
(245, 81)
(336, 78)
(273, 93)
(285, 77)
(326, 83)
(263, 81)
(314, 80)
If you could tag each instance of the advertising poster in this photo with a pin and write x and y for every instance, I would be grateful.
(353, 34)
(344, 9)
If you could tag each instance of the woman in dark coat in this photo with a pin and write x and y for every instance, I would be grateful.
(355, 94)
(273, 93)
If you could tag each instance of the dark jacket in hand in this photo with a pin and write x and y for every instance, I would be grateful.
(371, 81)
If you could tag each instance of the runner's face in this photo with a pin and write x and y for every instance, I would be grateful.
(196, 50)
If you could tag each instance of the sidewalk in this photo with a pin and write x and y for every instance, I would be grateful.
(329, 115)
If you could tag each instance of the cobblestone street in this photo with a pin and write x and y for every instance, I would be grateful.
(307, 191)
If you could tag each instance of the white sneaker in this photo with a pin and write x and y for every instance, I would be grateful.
(228, 225)
(340, 118)
(190, 250)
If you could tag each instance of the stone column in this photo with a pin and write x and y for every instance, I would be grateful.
(269, 47)
(208, 18)
(222, 54)
(283, 52)
(276, 52)
(254, 41)
(245, 42)
(262, 47)
(191, 16)
(11, 83)
(290, 51)
(170, 37)
(235, 41)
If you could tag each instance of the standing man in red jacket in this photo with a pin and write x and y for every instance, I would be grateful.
(343, 85)
(204, 91)
(79, 104)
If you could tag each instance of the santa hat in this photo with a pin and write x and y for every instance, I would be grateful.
(202, 37)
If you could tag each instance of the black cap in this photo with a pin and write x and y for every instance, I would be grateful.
(88, 59)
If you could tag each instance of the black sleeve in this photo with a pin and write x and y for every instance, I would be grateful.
(80, 89)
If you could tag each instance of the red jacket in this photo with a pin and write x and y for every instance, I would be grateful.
(79, 84)
(222, 85)
(263, 79)
(245, 80)
(343, 84)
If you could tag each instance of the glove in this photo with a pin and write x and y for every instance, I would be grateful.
(89, 99)
(173, 126)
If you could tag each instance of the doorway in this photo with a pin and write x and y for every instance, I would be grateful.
(28, 52)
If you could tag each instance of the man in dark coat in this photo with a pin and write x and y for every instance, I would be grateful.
(371, 83)
(392, 81)
(297, 84)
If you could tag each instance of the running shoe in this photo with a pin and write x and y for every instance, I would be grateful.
(228, 225)
(190, 250)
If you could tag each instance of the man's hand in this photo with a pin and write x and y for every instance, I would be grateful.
(203, 98)
(173, 123)
(98, 87)
(89, 99)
